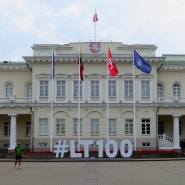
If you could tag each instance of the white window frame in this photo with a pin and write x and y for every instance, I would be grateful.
(76, 126)
(45, 90)
(6, 131)
(9, 90)
(160, 90)
(76, 89)
(43, 127)
(112, 88)
(129, 127)
(145, 89)
(29, 90)
(94, 126)
(95, 89)
(176, 89)
(28, 129)
(61, 88)
(128, 89)
(112, 127)
(145, 126)
(60, 127)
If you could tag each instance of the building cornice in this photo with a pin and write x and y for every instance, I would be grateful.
(172, 68)
(87, 59)
(11, 66)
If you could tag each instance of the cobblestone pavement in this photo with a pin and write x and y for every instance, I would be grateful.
(94, 173)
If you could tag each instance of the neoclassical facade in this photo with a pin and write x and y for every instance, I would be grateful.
(38, 110)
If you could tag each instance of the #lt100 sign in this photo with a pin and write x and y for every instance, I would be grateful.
(111, 148)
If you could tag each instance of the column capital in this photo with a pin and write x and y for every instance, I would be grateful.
(12, 114)
(176, 115)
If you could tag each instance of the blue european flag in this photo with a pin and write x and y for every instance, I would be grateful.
(141, 64)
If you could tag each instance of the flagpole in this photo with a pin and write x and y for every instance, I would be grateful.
(95, 26)
(107, 98)
(51, 99)
(134, 99)
(79, 100)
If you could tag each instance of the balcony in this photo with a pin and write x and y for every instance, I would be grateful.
(14, 99)
(174, 99)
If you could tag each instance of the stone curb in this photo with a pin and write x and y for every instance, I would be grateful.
(95, 160)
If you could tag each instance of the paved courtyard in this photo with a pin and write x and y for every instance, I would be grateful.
(94, 173)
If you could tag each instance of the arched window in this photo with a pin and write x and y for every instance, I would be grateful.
(29, 90)
(176, 89)
(8, 90)
(160, 90)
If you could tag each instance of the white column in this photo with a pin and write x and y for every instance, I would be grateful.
(176, 137)
(13, 131)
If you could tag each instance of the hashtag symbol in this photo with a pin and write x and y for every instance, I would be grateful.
(61, 148)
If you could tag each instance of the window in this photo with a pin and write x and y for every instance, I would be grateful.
(44, 88)
(176, 89)
(76, 88)
(28, 129)
(161, 128)
(146, 144)
(43, 145)
(6, 145)
(95, 89)
(60, 127)
(27, 145)
(112, 88)
(128, 126)
(7, 129)
(61, 88)
(145, 89)
(160, 91)
(43, 127)
(145, 126)
(112, 126)
(128, 87)
(76, 126)
(94, 126)
(8, 90)
(29, 90)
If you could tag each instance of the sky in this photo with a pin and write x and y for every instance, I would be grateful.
(27, 22)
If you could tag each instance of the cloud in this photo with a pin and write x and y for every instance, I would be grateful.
(26, 22)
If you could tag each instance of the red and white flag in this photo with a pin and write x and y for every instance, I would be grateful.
(111, 65)
(95, 18)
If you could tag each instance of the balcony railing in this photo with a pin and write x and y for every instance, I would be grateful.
(15, 100)
(171, 100)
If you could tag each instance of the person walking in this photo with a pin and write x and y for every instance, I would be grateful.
(18, 155)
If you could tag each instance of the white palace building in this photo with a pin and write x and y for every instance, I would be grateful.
(156, 100)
